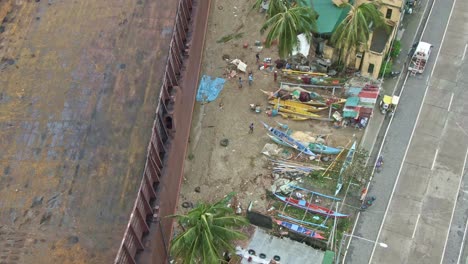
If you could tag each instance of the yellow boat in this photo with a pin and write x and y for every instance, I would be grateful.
(296, 105)
(298, 112)
(317, 103)
(293, 117)
(288, 71)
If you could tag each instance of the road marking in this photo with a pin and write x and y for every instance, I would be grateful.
(435, 158)
(416, 226)
(351, 238)
(464, 52)
(428, 16)
(398, 176)
(450, 104)
(462, 243)
(414, 128)
(454, 205)
(463, 130)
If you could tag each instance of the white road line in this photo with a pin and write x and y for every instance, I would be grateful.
(463, 243)
(351, 238)
(414, 128)
(416, 226)
(464, 52)
(428, 16)
(454, 205)
(435, 158)
(398, 176)
(450, 104)
(463, 130)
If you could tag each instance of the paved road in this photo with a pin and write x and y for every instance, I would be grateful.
(418, 217)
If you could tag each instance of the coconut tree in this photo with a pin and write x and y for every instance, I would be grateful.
(208, 231)
(287, 25)
(356, 28)
(277, 6)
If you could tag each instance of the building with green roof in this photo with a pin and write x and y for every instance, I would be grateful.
(329, 15)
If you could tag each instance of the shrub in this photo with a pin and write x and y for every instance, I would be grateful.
(396, 49)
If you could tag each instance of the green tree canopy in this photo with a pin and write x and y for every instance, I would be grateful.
(287, 25)
(356, 28)
(209, 230)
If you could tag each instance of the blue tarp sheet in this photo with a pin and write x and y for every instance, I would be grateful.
(209, 88)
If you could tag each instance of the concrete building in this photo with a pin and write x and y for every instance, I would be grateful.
(370, 60)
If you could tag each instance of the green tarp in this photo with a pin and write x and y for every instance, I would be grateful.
(329, 257)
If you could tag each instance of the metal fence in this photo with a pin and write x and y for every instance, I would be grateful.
(144, 212)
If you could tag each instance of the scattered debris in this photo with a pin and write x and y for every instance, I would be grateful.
(224, 142)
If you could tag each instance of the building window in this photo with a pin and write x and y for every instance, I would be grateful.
(389, 13)
(371, 68)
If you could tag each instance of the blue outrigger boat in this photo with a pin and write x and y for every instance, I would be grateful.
(346, 163)
(320, 148)
(282, 138)
(300, 229)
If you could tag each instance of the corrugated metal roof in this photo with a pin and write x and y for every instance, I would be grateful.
(330, 15)
(352, 101)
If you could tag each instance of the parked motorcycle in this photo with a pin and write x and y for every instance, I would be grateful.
(368, 202)
(395, 74)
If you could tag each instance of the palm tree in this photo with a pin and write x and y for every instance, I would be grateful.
(277, 6)
(356, 28)
(208, 230)
(287, 25)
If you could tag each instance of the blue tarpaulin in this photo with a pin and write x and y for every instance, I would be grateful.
(209, 88)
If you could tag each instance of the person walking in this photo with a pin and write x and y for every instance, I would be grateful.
(250, 78)
(240, 82)
(251, 127)
(257, 56)
(275, 76)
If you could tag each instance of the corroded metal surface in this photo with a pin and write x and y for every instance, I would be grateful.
(78, 90)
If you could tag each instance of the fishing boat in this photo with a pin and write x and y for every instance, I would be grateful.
(320, 148)
(346, 163)
(293, 105)
(313, 208)
(283, 139)
(294, 117)
(298, 112)
(300, 229)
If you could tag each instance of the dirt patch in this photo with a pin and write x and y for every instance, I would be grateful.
(238, 167)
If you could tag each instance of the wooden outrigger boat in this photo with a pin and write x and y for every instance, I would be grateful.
(283, 138)
(298, 112)
(346, 163)
(297, 106)
(300, 229)
(293, 117)
(313, 208)
(320, 148)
